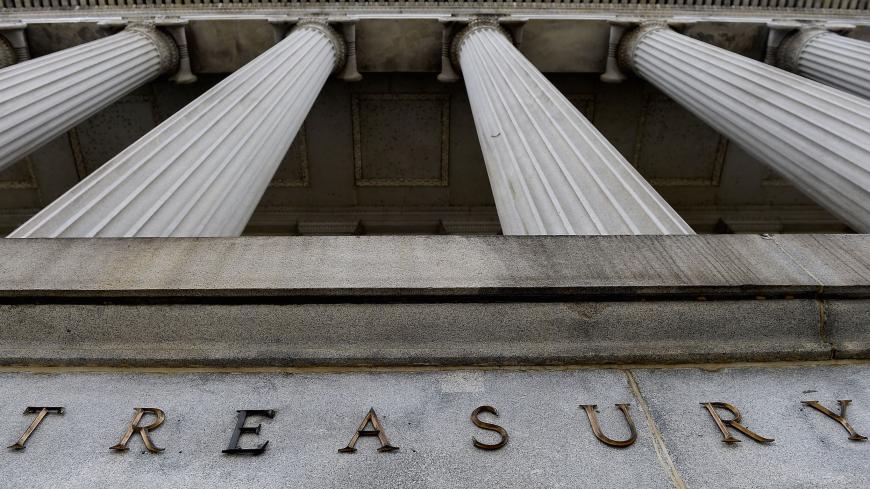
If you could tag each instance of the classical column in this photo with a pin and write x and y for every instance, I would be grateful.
(829, 58)
(44, 97)
(203, 171)
(816, 136)
(550, 170)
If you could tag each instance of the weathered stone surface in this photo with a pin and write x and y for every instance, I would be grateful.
(412, 334)
(810, 450)
(841, 262)
(431, 300)
(425, 414)
(847, 327)
(434, 265)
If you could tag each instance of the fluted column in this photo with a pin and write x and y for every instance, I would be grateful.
(203, 171)
(816, 136)
(550, 170)
(44, 97)
(829, 58)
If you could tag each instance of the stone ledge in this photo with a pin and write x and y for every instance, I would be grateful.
(621, 267)
(359, 301)
(553, 333)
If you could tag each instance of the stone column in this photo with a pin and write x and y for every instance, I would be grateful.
(44, 97)
(816, 136)
(829, 58)
(550, 170)
(203, 171)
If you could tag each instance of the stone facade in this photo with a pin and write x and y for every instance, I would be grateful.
(628, 339)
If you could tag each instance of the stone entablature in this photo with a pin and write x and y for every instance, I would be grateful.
(791, 5)
(359, 301)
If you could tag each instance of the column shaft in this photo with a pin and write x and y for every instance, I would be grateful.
(203, 171)
(829, 58)
(44, 97)
(816, 136)
(550, 170)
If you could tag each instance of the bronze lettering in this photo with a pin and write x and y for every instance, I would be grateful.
(377, 430)
(841, 418)
(724, 424)
(42, 412)
(596, 428)
(241, 429)
(142, 430)
(475, 418)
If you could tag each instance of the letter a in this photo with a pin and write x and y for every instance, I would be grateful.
(377, 430)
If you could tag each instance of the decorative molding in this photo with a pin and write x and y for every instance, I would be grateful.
(718, 159)
(339, 47)
(350, 73)
(177, 28)
(167, 49)
(612, 72)
(448, 72)
(361, 180)
(13, 33)
(7, 53)
(776, 32)
(474, 5)
(481, 22)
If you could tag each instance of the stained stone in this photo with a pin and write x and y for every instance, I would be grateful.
(810, 450)
(425, 414)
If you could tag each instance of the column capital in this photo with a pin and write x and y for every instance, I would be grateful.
(789, 52)
(166, 48)
(632, 39)
(476, 24)
(322, 26)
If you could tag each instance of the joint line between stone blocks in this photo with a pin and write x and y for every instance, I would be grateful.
(662, 453)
